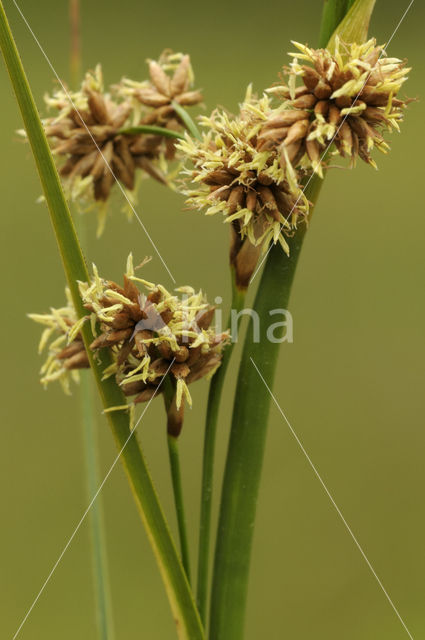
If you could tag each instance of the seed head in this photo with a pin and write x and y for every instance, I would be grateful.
(231, 175)
(148, 334)
(349, 96)
(95, 152)
(65, 347)
(171, 79)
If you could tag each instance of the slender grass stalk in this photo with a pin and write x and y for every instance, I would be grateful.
(187, 619)
(176, 477)
(104, 617)
(214, 400)
(102, 589)
(150, 128)
(100, 568)
(174, 427)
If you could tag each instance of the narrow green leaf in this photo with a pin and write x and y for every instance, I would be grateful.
(181, 600)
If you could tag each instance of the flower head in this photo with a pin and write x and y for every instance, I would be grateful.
(65, 347)
(171, 80)
(233, 176)
(149, 335)
(86, 132)
(348, 97)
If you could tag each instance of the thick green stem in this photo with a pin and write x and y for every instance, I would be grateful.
(246, 445)
(214, 400)
(174, 456)
(176, 584)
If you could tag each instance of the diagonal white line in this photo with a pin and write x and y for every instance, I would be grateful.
(347, 526)
(333, 138)
(95, 143)
(83, 517)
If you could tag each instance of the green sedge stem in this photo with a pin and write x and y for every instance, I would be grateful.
(103, 599)
(101, 580)
(186, 119)
(174, 456)
(174, 425)
(189, 626)
(246, 446)
(151, 129)
(100, 568)
(214, 400)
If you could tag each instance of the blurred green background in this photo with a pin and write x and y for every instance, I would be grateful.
(352, 383)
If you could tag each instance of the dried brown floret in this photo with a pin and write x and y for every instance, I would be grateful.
(348, 97)
(149, 336)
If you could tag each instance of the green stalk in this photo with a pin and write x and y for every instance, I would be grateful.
(174, 427)
(100, 568)
(176, 584)
(174, 456)
(246, 445)
(103, 599)
(214, 399)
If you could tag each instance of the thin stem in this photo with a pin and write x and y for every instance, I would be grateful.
(75, 37)
(100, 568)
(174, 456)
(246, 445)
(177, 587)
(151, 129)
(214, 400)
(174, 427)
(103, 599)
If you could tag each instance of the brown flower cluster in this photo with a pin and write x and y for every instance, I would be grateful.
(347, 98)
(149, 336)
(93, 130)
(171, 80)
(233, 175)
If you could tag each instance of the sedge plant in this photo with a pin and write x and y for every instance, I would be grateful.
(262, 170)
